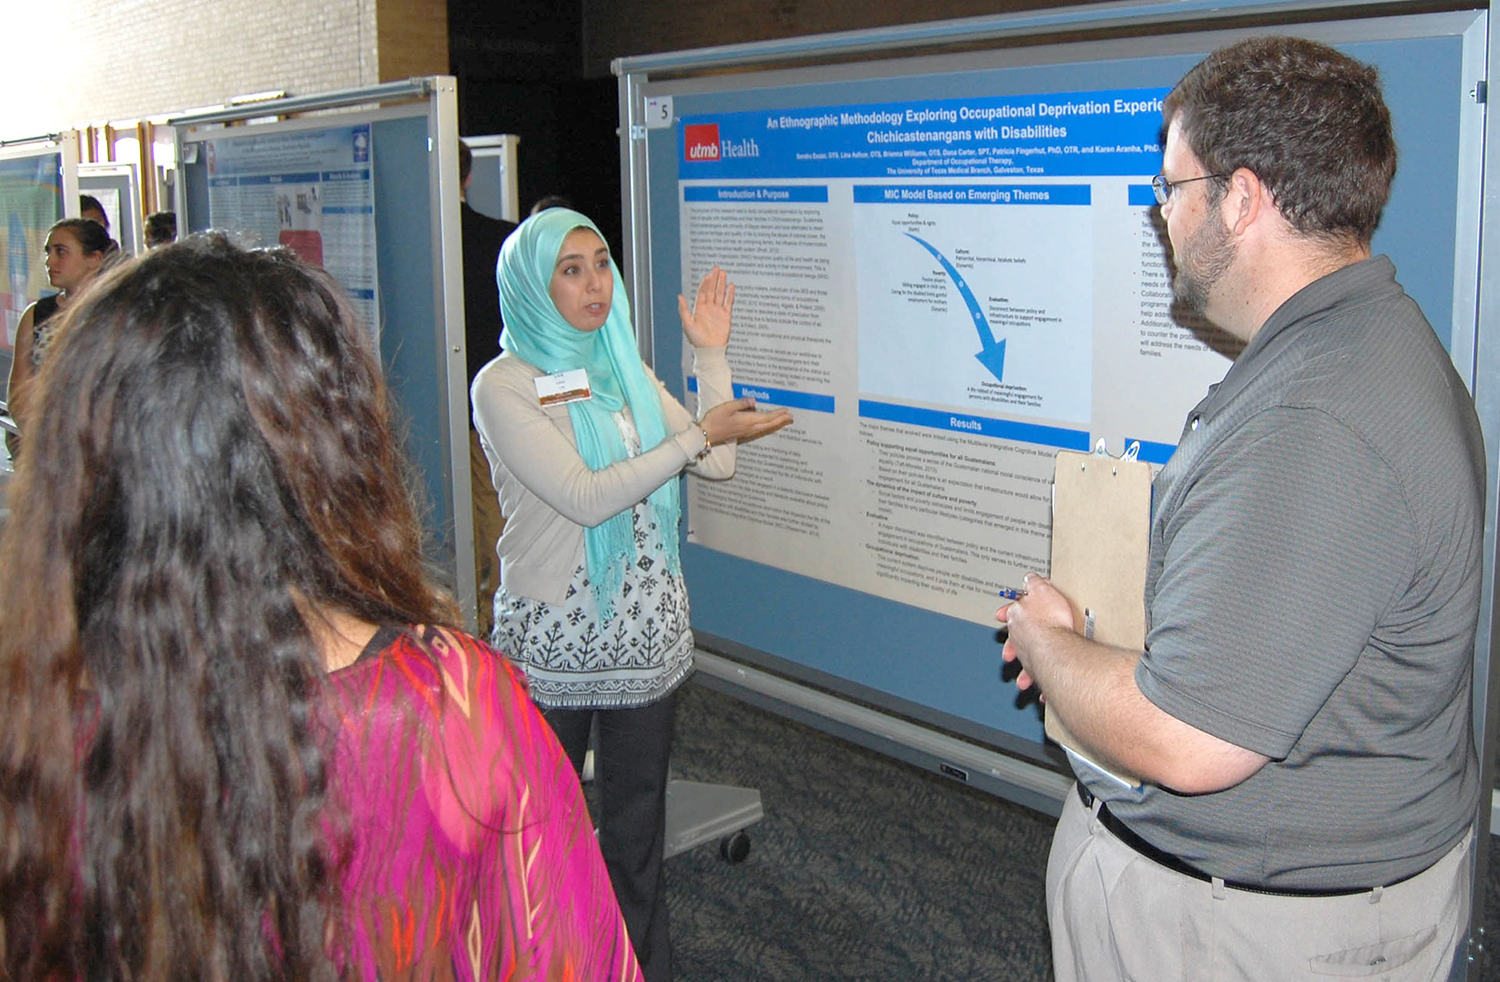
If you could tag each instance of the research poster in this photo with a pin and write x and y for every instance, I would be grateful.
(309, 190)
(30, 202)
(945, 293)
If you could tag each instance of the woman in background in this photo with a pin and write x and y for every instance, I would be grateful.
(75, 251)
(586, 447)
(161, 228)
(289, 764)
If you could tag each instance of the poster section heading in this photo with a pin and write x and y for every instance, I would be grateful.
(1090, 133)
(970, 194)
(1001, 429)
(758, 193)
(777, 397)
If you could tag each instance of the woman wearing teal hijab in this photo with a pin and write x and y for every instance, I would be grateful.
(586, 445)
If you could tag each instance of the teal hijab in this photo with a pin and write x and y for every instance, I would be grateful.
(538, 334)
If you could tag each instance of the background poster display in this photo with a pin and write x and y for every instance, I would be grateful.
(308, 190)
(30, 202)
(938, 289)
(367, 185)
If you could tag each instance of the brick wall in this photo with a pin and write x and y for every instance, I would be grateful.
(78, 61)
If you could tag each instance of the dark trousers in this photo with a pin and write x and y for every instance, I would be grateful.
(630, 772)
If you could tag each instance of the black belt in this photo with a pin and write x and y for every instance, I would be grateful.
(1161, 857)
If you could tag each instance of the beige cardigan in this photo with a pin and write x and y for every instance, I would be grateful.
(548, 495)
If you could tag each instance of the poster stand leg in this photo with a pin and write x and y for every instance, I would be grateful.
(698, 812)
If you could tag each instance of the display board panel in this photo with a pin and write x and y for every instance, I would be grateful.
(361, 192)
(493, 187)
(118, 188)
(31, 201)
(949, 268)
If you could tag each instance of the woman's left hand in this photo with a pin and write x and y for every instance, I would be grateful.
(706, 324)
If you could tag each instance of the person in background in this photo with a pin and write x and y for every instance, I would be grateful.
(161, 228)
(1309, 789)
(90, 208)
(75, 251)
(550, 201)
(482, 236)
(586, 447)
(286, 761)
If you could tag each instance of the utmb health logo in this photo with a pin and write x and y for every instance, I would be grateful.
(701, 144)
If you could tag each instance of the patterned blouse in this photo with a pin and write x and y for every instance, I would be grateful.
(472, 853)
(574, 659)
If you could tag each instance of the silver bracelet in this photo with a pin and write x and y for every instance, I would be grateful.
(707, 444)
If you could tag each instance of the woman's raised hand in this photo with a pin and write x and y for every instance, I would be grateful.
(706, 323)
(739, 420)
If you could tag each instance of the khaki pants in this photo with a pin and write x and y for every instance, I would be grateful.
(1115, 914)
(488, 524)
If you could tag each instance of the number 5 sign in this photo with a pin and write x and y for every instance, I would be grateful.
(658, 112)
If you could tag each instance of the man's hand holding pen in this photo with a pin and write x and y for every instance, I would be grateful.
(1035, 611)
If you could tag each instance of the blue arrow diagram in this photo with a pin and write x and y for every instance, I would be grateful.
(992, 353)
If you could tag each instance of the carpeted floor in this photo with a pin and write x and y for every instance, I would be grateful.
(864, 868)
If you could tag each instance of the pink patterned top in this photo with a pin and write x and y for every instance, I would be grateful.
(471, 853)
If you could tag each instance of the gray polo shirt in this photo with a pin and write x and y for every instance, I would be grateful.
(1312, 591)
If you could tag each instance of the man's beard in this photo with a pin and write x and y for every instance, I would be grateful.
(1205, 257)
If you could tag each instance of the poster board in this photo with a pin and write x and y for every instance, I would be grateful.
(38, 187)
(948, 267)
(370, 194)
(494, 188)
(118, 188)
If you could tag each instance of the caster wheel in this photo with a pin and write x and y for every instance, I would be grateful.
(735, 848)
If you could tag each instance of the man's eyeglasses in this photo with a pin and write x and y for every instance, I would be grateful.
(1162, 187)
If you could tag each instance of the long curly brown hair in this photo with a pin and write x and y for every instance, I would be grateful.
(212, 458)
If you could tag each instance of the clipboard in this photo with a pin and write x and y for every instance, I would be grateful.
(1101, 526)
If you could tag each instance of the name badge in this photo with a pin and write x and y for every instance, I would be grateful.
(560, 387)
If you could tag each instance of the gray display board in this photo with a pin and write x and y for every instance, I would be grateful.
(493, 189)
(118, 188)
(372, 196)
(33, 195)
(949, 269)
